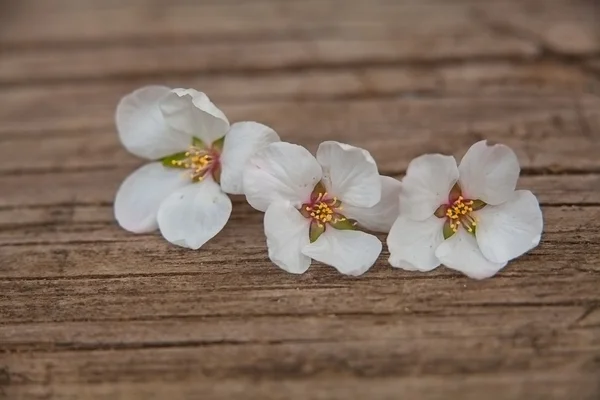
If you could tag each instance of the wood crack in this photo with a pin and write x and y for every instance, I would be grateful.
(298, 67)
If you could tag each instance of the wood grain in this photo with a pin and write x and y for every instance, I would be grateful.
(89, 311)
(535, 127)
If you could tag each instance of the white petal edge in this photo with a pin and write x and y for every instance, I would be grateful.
(427, 184)
(141, 193)
(350, 173)
(461, 253)
(489, 173)
(142, 128)
(287, 233)
(194, 214)
(382, 215)
(414, 243)
(280, 171)
(350, 252)
(406, 266)
(192, 112)
(511, 229)
(242, 142)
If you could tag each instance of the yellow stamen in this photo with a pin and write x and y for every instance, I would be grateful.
(198, 161)
(459, 213)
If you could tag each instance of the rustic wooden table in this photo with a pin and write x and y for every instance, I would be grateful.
(89, 311)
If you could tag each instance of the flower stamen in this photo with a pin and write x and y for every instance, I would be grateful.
(323, 210)
(198, 160)
(459, 211)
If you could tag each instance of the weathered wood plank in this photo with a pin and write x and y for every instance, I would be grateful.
(30, 222)
(88, 310)
(562, 25)
(96, 249)
(526, 341)
(239, 290)
(404, 325)
(31, 22)
(305, 36)
(96, 189)
(570, 252)
(156, 60)
(523, 348)
(66, 109)
(567, 28)
(554, 385)
(394, 130)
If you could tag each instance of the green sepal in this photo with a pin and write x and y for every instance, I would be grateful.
(316, 230)
(218, 144)
(455, 193)
(318, 190)
(441, 211)
(197, 142)
(343, 223)
(168, 160)
(448, 232)
(478, 205)
(303, 210)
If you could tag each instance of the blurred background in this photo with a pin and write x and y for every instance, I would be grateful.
(372, 71)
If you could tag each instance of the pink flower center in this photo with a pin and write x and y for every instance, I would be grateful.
(200, 162)
(323, 211)
(459, 211)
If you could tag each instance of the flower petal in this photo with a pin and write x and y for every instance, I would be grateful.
(460, 252)
(287, 233)
(194, 214)
(414, 243)
(243, 141)
(489, 173)
(141, 194)
(405, 266)
(428, 181)
(142, 128)
(509, 230)
(350, 252)
(380, 217)
(280, 171)
(350, 173)
(192, 112)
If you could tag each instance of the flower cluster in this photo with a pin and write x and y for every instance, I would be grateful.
(324, 208)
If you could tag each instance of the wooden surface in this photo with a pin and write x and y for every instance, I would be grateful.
(89, 311)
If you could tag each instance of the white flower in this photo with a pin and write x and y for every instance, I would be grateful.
(469, 218)
(197, 157)
(314, 206)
